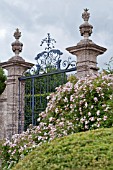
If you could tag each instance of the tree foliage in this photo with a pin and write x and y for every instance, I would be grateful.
(2, 81)
(109, 65)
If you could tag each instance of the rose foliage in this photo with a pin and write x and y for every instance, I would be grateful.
(74, 107)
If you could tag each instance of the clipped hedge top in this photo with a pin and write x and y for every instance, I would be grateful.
(86, 150)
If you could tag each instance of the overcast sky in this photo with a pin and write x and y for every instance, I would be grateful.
(61, 18)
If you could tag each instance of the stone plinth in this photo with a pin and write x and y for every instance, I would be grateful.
(86, 52)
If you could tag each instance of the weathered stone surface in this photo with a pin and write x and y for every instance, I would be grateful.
(9, 104)
(86, 53)
(3, 114)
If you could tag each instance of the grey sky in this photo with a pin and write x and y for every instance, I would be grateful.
(61, 18)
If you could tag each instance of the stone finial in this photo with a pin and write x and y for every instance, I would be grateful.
(86, 50)
(86, 28)
(17, 34)
(17, 45)
(86, 15)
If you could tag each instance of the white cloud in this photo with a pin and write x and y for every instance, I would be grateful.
(2, 33)
(61, 18)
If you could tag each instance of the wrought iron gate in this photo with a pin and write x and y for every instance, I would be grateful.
(39, 82)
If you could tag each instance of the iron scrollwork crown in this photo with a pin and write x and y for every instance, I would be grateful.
(50, 60)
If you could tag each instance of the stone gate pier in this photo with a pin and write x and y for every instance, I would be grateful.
(85, 50)
(9, 101)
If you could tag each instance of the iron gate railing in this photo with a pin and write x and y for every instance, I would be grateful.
(37, 88)
(40, 81)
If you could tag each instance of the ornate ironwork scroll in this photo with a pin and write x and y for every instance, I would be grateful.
(50, 59)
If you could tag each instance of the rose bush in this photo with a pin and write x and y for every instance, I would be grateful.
(76, 106)
(82, 106)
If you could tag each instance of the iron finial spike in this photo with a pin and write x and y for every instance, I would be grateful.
(49, 42)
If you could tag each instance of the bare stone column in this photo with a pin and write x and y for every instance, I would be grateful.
(86, 50)
(15, 66)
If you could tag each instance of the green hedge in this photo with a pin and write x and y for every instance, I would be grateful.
(86, 150)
